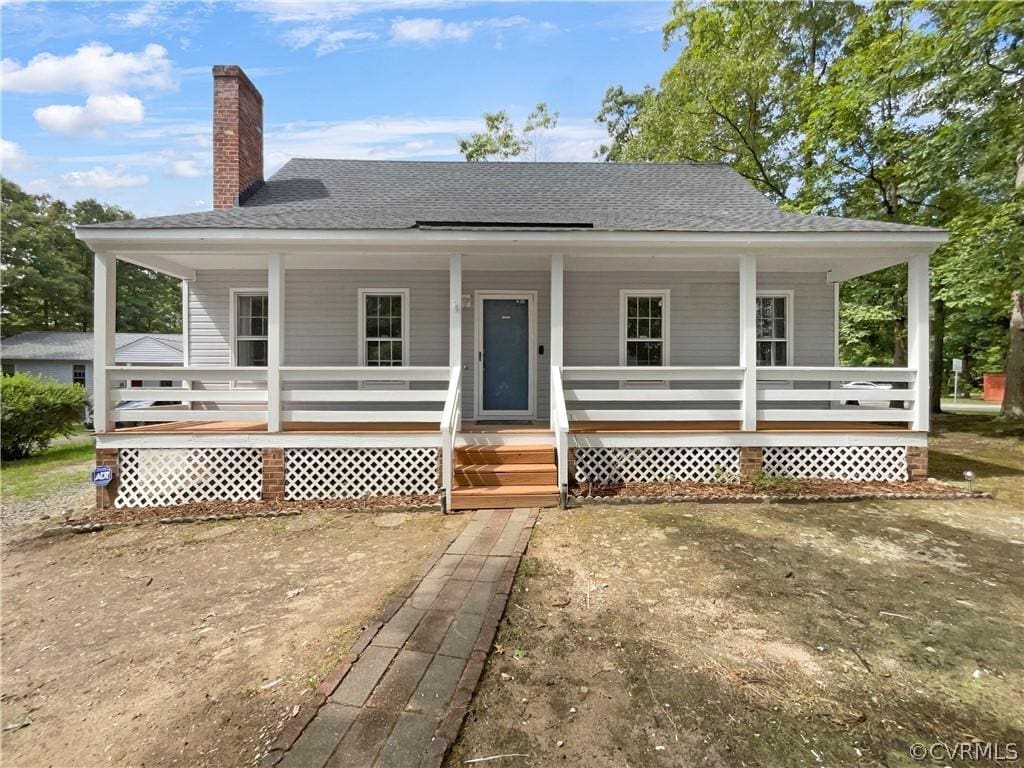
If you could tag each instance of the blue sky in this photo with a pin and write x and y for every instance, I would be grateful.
(112, 99)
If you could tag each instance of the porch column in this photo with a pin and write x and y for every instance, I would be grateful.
(557, 311)
(917, 336)
(748, 341)
(104, 325)
(455, 311)
(275, 338)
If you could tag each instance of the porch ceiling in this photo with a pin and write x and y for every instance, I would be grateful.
(180, 253)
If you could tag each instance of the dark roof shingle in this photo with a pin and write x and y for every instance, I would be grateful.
(372, 194)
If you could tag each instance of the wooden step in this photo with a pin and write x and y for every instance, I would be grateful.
(505, 497)
(477, 475)
(505, 454)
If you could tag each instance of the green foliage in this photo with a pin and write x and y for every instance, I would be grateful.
(774, 483)
(34, 410)
(47, 275)
(898, 110)
(500, 141)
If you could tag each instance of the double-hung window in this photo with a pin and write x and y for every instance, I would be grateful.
(251, 324)
(643, 339)
(383, 327)
(774, 329)
(78, 374)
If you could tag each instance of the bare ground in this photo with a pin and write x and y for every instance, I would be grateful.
(766, 635)
(187, 644)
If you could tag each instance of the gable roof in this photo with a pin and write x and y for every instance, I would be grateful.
(75, 346)
(373, 195)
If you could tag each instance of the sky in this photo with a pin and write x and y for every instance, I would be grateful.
(112, 100)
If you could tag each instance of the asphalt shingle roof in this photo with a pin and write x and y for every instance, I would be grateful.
(374, 194)
(71, 345)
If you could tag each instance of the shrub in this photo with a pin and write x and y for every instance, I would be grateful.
(34, 410)
(765, 482)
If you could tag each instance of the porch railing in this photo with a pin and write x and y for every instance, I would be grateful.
(703, 394)
(451, 419)
(560, 425)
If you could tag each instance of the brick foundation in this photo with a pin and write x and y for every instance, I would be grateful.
(105, 496)
(751, 462)
(273, 474)
(917, 464)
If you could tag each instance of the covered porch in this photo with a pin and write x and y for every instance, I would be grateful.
(579, 397)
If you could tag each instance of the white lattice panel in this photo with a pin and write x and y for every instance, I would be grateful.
(164, 477)
(859, 463)
(610, 466)
(353, 473)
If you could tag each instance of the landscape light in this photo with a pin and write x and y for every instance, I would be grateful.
(969, 477)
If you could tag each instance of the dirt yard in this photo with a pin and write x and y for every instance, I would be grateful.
(766, 635)
(187, 644)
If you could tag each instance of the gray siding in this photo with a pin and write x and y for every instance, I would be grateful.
(321, 314)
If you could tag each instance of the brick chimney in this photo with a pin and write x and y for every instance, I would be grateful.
(237, 136)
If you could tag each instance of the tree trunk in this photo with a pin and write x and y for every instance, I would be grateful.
(1013, 400)
(938, 355)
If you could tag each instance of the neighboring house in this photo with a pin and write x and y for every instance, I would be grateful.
(66, 356)
(496, 331)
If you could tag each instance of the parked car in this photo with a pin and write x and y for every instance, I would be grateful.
(862, 385)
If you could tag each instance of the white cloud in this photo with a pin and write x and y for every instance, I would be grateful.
(285, 11)
(12, 157)
(432, 30)
(144, 15)
(95, 68)
(104, 178)
(323, 38)
(185, 169)
(98, 112)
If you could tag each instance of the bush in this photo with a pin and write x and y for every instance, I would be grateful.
(34, 410)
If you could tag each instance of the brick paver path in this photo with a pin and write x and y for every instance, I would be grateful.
(400, 699)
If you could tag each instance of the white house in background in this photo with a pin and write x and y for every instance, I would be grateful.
(66, 356)
(494, 332)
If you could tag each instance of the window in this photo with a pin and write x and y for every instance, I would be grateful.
(8, 369)
(774, 342)
(643, 339)
(383, 327)
(251, 323)
(78, 373)
(166, 383)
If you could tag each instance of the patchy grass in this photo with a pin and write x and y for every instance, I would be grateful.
(768, 635)
(62, 464)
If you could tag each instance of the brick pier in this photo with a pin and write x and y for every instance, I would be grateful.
(398, 699)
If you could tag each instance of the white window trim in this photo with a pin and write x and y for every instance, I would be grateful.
(790, 341)
(361, 331)
(233, 318)
(666, 322)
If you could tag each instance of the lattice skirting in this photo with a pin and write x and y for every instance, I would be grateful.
(858, 463)
(610, 466)
(352, 473)
(163, 477)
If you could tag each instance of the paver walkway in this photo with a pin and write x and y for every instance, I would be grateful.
(399, 698)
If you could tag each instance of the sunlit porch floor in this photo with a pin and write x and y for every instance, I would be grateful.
(533, 427)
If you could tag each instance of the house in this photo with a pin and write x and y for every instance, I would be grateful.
(494, 332)
(66, 356)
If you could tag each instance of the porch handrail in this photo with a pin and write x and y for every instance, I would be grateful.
(651, 373)
(450, 421)
(560, 425)
(817, 394)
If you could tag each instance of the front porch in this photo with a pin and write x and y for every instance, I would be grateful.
(430, 398)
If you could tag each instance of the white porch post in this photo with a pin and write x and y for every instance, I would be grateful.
(104, 324)
(275, 338)
(455, 311)
(917, 336)
(748, 341)
(557, 311)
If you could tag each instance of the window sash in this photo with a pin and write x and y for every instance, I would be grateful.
(644, 329)
(384, 329)
(78, 374)
(252, 329)
(773, 329)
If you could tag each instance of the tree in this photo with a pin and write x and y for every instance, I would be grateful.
(618, 114)
(47, 273)
(499, 139)
(1013, 399)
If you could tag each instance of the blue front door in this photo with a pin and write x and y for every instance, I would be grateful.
(505, 385)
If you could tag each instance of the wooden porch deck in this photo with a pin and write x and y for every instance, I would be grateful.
(224, 427)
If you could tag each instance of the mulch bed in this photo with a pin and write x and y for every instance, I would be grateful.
(796, 490)
(233, 510)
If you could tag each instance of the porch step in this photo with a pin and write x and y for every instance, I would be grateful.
(505, 476)
(477, 475)
(505, 497)
(504, 454)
